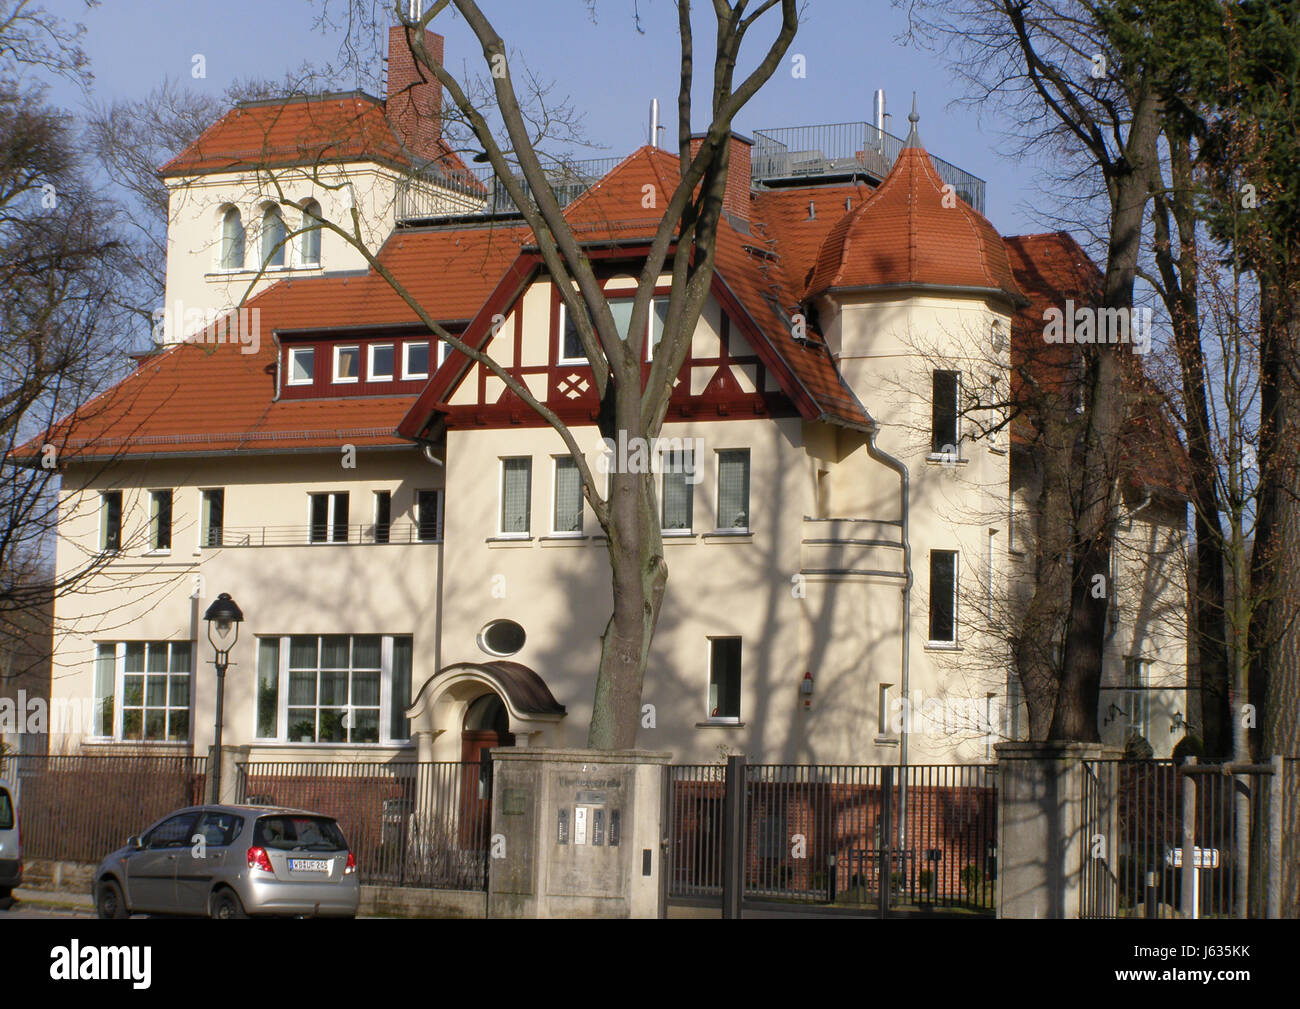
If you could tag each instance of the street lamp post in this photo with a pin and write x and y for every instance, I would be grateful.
(224, 617)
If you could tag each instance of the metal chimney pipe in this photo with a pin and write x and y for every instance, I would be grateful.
(878, 115)
(654, 122)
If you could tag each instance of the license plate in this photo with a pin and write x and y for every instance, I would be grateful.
(309, 865)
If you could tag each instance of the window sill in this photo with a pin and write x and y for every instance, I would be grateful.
(161, 552)
(680, 536)
(942, 646)
(736, 535)
(886, 740)
(509, 541)
(720, 723)
(563, 540)
(939, 459)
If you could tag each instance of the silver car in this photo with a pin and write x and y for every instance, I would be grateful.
(232, 862)
(11, 844)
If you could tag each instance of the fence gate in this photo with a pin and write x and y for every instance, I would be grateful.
(875, 838)
(1167, 839)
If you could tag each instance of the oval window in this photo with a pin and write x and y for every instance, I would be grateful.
(501, 637)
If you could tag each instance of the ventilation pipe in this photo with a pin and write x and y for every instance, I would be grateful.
(878, 118)
(654, 122)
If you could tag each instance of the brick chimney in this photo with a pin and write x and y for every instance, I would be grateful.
(414, 102)
(735, 200)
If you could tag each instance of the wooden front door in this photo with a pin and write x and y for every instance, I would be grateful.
(487, 725)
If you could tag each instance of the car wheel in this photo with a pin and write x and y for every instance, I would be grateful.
(109, 902)
(226, 904)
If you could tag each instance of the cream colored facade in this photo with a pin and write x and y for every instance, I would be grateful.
(815, 587)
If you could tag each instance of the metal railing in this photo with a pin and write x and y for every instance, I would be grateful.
(780, 155)
(807, 152)
(79, 809)
(1141, 816)
(362, 534)
(814, 834)
(407, 823)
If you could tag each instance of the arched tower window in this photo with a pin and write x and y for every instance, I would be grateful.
(311, 215)
(232, 240)
(273, 233)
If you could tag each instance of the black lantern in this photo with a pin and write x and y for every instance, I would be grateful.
(224, 617)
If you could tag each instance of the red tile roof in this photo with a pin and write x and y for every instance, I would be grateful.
(305, 131)
(904, 235)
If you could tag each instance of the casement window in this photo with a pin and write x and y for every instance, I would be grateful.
(142, 690)
(678, 494)
(347, 364)
(724, 679)
(110, 520)
(943, 596)
(329, 518)
(302, 365)
(232, 240)
(380, 368)
(428, 515)
(733, 489)
(383, 515)
(1136, 681)
(571, 349)
(516, 495)
(213, 517)
(944, 435)
(333, 688)
(415, 359)
(160, 520)
(310, 237)
(273, 238)
(567, 513)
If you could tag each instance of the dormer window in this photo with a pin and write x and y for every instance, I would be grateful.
(232, 240)
(273, 238)
(302, 365)
(347, 364)
(310, 246)
(381, 362)
(415, 359)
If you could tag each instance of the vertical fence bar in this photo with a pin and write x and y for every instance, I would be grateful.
(886, 837)
(1189, 894)
(733, 838)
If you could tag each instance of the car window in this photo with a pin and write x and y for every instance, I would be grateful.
(220, 829)
(292, 833)
(6, 811)
(174, 832)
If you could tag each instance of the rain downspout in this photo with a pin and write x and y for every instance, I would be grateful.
(904, 485)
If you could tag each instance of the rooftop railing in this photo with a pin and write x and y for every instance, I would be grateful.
(781, 157)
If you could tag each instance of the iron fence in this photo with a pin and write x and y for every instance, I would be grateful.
(1147, 821)
(354, 534)
(407, 823)
(80, 808)
(921, 836)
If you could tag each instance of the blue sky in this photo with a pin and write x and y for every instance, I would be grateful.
(609, 70)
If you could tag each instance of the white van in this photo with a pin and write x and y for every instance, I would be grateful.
(11, 845)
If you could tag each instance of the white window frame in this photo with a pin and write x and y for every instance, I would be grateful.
(305, 236)
(338, 354)
(407, 373)
(1138, 696)
(375, 498)
(103, 520)
(221, 241)
(582, 504)
(956, 601)
(559, 349)
(293, 353)
(748, 528)
(934, 456)
(154, 496)
(708, 682)
(385, 694)
(119, 689)
(333, 496)
(285, 250)
(501, 499)
(663, 474)
(370, 362)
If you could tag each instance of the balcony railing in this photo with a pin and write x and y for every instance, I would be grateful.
(363, 534)
(780, 156)
(808, 152)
